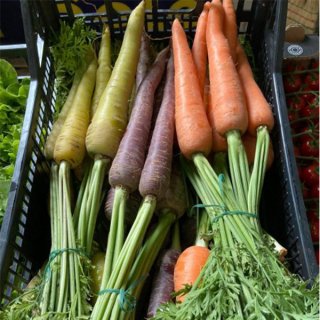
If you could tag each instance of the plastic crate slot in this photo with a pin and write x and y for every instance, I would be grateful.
(243, 27)
(19, 241)
(28, 186)
(14, 267)
(21, 229)
(8, 291)
(23, 218)
(247, 5)
(25, 208)
(34, 158)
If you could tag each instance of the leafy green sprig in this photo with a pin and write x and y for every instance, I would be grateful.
(70, 50)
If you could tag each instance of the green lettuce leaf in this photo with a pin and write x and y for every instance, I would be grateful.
(8, 74)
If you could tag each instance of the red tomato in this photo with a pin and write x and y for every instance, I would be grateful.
(312, 80)
(311, 108)
(312, 215)
(292, 83)
(315, 64)
(314, 229)
(313, 218)
(296, 151)
(296, 103)
(310, 174)
(305, 191)
(292, 115)
(307, 97)
(288, 66)
(309, 147)
(314, 191)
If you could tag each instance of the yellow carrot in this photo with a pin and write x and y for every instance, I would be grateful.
(70, 144)
(52, 138)
(104, 68)
(111, 117)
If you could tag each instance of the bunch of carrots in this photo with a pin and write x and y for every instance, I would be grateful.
(142, 136)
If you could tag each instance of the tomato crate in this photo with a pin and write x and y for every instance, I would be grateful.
(25, 233)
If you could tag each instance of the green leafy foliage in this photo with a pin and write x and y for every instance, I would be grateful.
(13, 96)
(71, 49)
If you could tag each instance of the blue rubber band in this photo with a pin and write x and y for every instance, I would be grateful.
(220, 182)
(55, 253)
(234, 213)
(127, 301)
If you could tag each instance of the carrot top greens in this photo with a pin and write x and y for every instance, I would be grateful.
(69, 50)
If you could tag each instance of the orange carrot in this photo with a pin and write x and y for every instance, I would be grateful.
(230, 27)
(219, 143)
(228, 104)
(188, 267)
(249, 143)
(193, 129)
(206, 95)
(259, 111)
(199, 47)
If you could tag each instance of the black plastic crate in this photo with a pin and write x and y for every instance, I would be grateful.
(25, 234)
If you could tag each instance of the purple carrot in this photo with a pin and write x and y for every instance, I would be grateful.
(162, 285)
(155, 176)
(144, 60)
(126, 167)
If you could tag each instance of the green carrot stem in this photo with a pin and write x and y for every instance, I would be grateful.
(119, 276)
(54, 233)
(89, 205)
(239, 168)
(63, 288)
(202, 230)
(297, 93)
(307, 158)
(145, 259)
(219, 165)
(83, 193)
(301, 72)
(259, 169)
(241, 232)
(120, 232)
(150, 250)
(176, 244)
(74, 262)
(310, 133)
(59, 238)
(64, 171)
(210, 187)
(82, 209)
(99, 170)
(45, 297)
(119, 196)
(303, 119)
(134, 244)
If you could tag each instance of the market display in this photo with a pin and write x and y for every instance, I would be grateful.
(301, 84)
(144, 133)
